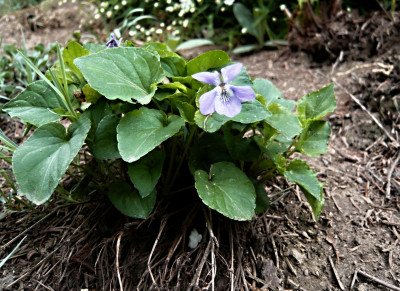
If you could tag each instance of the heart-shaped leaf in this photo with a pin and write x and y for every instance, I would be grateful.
(140, 131)
(129, 202)
(42, 160)
(124, 73)
(227, 190)
(252, 111)
(145, 173)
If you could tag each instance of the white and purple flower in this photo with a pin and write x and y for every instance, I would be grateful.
(225, 99)
(113, 42)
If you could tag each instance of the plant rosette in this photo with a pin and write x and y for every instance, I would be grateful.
(145, 122)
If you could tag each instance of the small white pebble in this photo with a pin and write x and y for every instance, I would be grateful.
(194, 239)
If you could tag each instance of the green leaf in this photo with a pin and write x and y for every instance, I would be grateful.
(299, 171)
(210, 149)
(206, 61)
(245, 18)
(174, 86)
(316, 205)
(242, 79)
(94, 47)
(245, 49)
(35, 104)
(262, 199)
(173, 66)
(97, 111)
(72, 51)
(105, 144)
(161, 48)
(42, 160)
(252, 111)
(271, 93)
(283, 120)
(91, 95)
(229, 191)
(193, 43)
(145, 173)
(123, 73)
(140, 131)
(167, 94)
(241, 149)
(210, 123)
(129, 202)
(314, 140)
(317, 104)
(186, 111)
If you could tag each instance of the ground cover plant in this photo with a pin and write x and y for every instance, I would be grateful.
(7, 6)
(229, 23)
(142, 122)
(15, 74)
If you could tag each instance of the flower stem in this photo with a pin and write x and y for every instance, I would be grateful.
(267, 175)
(171, 163)
(188, 141)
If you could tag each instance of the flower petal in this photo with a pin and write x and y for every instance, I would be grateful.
(230, 72)
(207, 102)
(230, 108)
(243, 93)
(211, 78)
(113, 42)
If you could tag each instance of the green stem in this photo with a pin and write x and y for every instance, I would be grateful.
(8, 142)
(157, 104)
(267, 175)
(188, 142)
(8, 180)
(64, 75)
(6, 158)
(171, 163)
(181, 190)
(7, 148)
(65, 99)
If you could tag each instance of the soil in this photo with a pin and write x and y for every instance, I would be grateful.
(50, 22)
(89, 245)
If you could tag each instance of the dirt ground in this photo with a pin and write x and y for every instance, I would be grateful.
(49, 22)
(89, 245)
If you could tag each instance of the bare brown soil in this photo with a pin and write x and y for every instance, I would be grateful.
(49, 22)
(90, 245)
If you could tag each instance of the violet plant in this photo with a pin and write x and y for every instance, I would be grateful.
(145, 123)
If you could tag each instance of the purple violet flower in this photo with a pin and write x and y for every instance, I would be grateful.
(113, 42)
(224, 98)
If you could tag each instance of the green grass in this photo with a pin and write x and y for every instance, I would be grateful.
(7, 6)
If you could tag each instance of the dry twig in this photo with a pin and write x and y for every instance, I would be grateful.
(336, 273)
(390, 173)
(377, 280)
(275, 251)
(196, 278)
(117, 261)
(162, 225)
